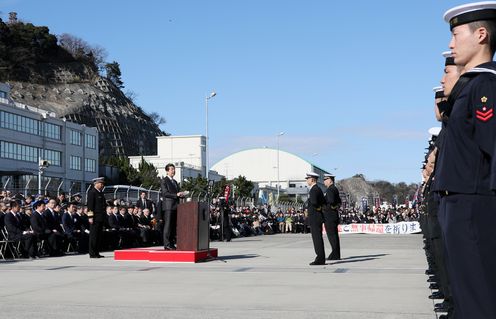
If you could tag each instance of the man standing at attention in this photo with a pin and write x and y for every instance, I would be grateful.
(331, 216)
(466, 165)
(96, 216)
(315, 218)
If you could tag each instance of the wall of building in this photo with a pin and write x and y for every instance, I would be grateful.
(260, 166)
(29, 134)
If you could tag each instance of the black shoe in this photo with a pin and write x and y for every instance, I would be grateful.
(100, 256)
(170, 247)
(333, 257)
(317, 263)
(437, 295)
(432, 279)
(433, 286)
(94, 257)
(441, 307)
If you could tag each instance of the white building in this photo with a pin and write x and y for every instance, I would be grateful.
(187, 153)
(29, 134)
(270, 167)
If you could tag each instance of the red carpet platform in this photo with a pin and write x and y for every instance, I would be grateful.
(158, 254)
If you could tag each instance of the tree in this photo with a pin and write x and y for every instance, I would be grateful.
(197, 185)
(157, 118)
(99, 57)
(74, 45)
(113, 71)
(148, 174)
(219, 187)
(128, 175)
(243, 187)
(131, 95)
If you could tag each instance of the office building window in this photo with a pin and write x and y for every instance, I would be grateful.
(51, 131)
(75, 138)
(75, 163)
(3, 95)
(28, 153)
(28, 125)
(53, 157)
(18, 152)
(90, 141)
(90, 165)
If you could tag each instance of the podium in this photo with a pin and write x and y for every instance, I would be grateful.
(193, 234)
(193, 226)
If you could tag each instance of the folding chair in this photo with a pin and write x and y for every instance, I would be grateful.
(10, 245)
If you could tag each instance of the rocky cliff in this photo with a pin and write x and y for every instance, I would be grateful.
(43, 74)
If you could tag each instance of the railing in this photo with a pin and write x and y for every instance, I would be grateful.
(130, 194)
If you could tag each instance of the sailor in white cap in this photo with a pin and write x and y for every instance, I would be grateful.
(331, 216)
(466, 164)
(315, 203)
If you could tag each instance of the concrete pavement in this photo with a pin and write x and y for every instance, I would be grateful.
(380, 276)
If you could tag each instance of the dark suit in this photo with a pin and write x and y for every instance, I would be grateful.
(146, 203)
(74, 233)
(331, 220)
(315, 219)
(97, 210)
(170, 188)
(15, 232)
(53, 220)
(43, 232)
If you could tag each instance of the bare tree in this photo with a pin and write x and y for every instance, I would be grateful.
(131, 95)
(157, 118)
(99, 56)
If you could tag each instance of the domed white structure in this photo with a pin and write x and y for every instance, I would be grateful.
(260, 165)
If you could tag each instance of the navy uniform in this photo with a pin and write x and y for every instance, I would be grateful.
(331, 217)
(315, 203)
(466, 181)
(97, 211)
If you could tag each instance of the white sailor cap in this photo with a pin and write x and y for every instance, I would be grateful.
(312, 175)
(450, 60)
(438, 92)
(98, 180)
(434, 131)
(466, 13)
(447, 54)
(326, 176)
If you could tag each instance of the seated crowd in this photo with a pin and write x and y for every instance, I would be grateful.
(55, 226)
(46, 226)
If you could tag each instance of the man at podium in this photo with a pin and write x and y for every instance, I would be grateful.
(171, 195)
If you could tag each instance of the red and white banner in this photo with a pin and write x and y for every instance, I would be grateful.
(401, 228)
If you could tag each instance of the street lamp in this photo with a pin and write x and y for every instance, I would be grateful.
(278, 187)
(206, 131)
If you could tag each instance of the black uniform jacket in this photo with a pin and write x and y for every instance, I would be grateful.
(96, 205)
(316, 200)
(333, 200)
(466, 161)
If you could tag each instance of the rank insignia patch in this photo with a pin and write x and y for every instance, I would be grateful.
(484, 113)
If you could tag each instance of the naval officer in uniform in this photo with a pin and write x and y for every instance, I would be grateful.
(96, 215)
(331, 216)
(466, 164)
(315, 203)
